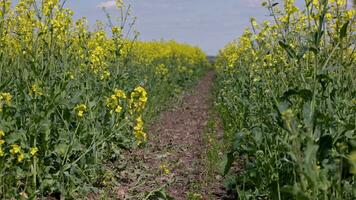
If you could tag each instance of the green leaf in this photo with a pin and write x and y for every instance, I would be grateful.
(228, 162)
(289, 50)
(301, 52)
(343, 30)
(314, 49)
(310, 154)
(350, 134)
(296, 191)
(61, 148)
(306, 94)
(324, 80)
(76, 146)
(2, 86)
(159, 195)
(15, 137)
(325, 145)
(303, 93)
(317, 36)
(307, 118)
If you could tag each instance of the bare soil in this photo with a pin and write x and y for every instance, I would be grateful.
(173, 159)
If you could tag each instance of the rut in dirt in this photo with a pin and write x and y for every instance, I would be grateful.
(176, 143)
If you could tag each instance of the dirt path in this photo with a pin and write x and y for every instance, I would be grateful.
(178, 142)
(172, 162)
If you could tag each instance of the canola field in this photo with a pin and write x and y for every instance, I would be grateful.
(71, 97)
(287, 99)
(76, 100)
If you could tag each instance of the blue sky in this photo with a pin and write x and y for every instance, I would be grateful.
(209, 24)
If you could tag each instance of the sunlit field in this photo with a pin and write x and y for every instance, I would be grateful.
(93, 112)
(287, 100)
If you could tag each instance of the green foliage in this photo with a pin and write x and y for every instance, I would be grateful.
(287, 103)
(72, 99)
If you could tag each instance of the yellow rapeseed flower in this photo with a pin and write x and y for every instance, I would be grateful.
(315, 3)
(164, 169)
(35, 89)
(120, 93)
(328, 16)
(138, 99)
(106, 74)
(2, 133)
(341, 2)
(112, 102)
(118, 109)
(70, 75)
(48, 6)
(80, 113)
(139, 124)
(161, 70)
(7, 97)
(350, 14)
(20, 157)
(33, 151)
(80, 109)
(15, 149)
(116, 30)
(141, 137)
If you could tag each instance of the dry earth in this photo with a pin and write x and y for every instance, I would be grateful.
(172, 162)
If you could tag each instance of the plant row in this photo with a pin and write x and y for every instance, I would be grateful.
(73, 98)
(286, 95)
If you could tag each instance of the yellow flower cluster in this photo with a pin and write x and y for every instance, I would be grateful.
(36, 90)
(185, 70)
(16, 150)
(97, 52)
(243, 50)
(136, 104)
(33, 151)
(278, 68)
(164, 168)
(61, 73)
(113, 102)
(2, 141)
(138, 99)
(236, 50)
(80, 109)
(48, 6)
(61, 23)
(141, 136)
(5, 99)
(289, 6)
(162, 52)
(161, 70)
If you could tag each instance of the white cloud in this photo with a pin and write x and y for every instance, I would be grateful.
(107, 4)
